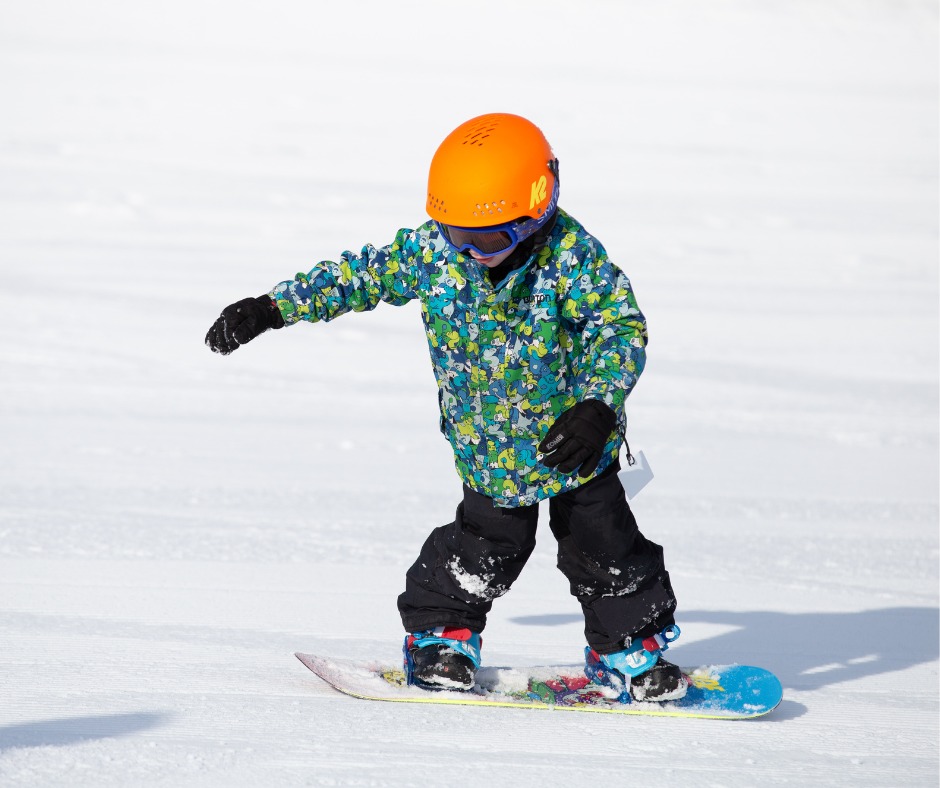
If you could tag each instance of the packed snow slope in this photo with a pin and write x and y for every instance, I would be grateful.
(174, 524)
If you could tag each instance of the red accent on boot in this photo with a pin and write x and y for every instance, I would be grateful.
(456, 634)
(652, 645)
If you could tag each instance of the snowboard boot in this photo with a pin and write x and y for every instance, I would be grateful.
(639, 672)
(445, 658)
(664, 681)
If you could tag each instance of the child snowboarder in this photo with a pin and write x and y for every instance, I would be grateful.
(536, 340)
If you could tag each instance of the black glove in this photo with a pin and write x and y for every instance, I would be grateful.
(578, 437)
(243, 321)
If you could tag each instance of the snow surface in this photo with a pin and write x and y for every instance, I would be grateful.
(174, 524)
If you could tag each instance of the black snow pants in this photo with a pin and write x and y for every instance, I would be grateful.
(615, 572)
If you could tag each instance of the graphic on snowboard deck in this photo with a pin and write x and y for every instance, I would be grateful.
(715, 691)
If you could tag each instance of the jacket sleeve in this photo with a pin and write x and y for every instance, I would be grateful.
(600, 303)
(355, 283)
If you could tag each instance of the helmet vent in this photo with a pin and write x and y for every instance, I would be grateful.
(478, 133)
(436, 203)
(489, 208)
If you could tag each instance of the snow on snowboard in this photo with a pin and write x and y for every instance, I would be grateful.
(715, 692)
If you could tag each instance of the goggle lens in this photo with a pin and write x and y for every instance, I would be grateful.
(483, 241)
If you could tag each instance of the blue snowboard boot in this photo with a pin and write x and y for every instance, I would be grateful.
(445, 658)
(639, 672)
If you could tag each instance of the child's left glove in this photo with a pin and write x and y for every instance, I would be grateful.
(577, 439)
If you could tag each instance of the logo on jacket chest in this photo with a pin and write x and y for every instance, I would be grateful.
(533, 299)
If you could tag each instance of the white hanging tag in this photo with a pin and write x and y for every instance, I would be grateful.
(635, 477)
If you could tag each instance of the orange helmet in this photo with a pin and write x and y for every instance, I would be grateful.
(490, 170)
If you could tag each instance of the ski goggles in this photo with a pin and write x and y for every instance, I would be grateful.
(486, 241)
(496, 238)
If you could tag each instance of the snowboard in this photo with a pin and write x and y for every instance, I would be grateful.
(733, 692)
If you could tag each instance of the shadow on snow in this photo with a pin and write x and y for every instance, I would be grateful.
(812, 650)
(72, 730)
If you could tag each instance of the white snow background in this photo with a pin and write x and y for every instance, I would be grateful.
(174, 524)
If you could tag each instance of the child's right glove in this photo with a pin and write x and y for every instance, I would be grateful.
(578, 437)
(241, 322)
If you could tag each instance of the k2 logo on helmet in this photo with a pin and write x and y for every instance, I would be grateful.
(539, 192)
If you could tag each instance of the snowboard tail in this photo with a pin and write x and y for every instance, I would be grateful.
(715, 691)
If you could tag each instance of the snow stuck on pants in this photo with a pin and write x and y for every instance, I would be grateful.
(480, 586)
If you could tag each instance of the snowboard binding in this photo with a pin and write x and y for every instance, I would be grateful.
(445, 658)
(639, 673)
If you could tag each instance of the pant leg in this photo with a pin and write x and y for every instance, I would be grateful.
(465, 565)
(616, 573)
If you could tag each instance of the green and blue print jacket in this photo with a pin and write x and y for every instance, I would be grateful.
(508, 359)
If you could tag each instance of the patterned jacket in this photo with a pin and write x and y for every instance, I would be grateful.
(508, 359)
